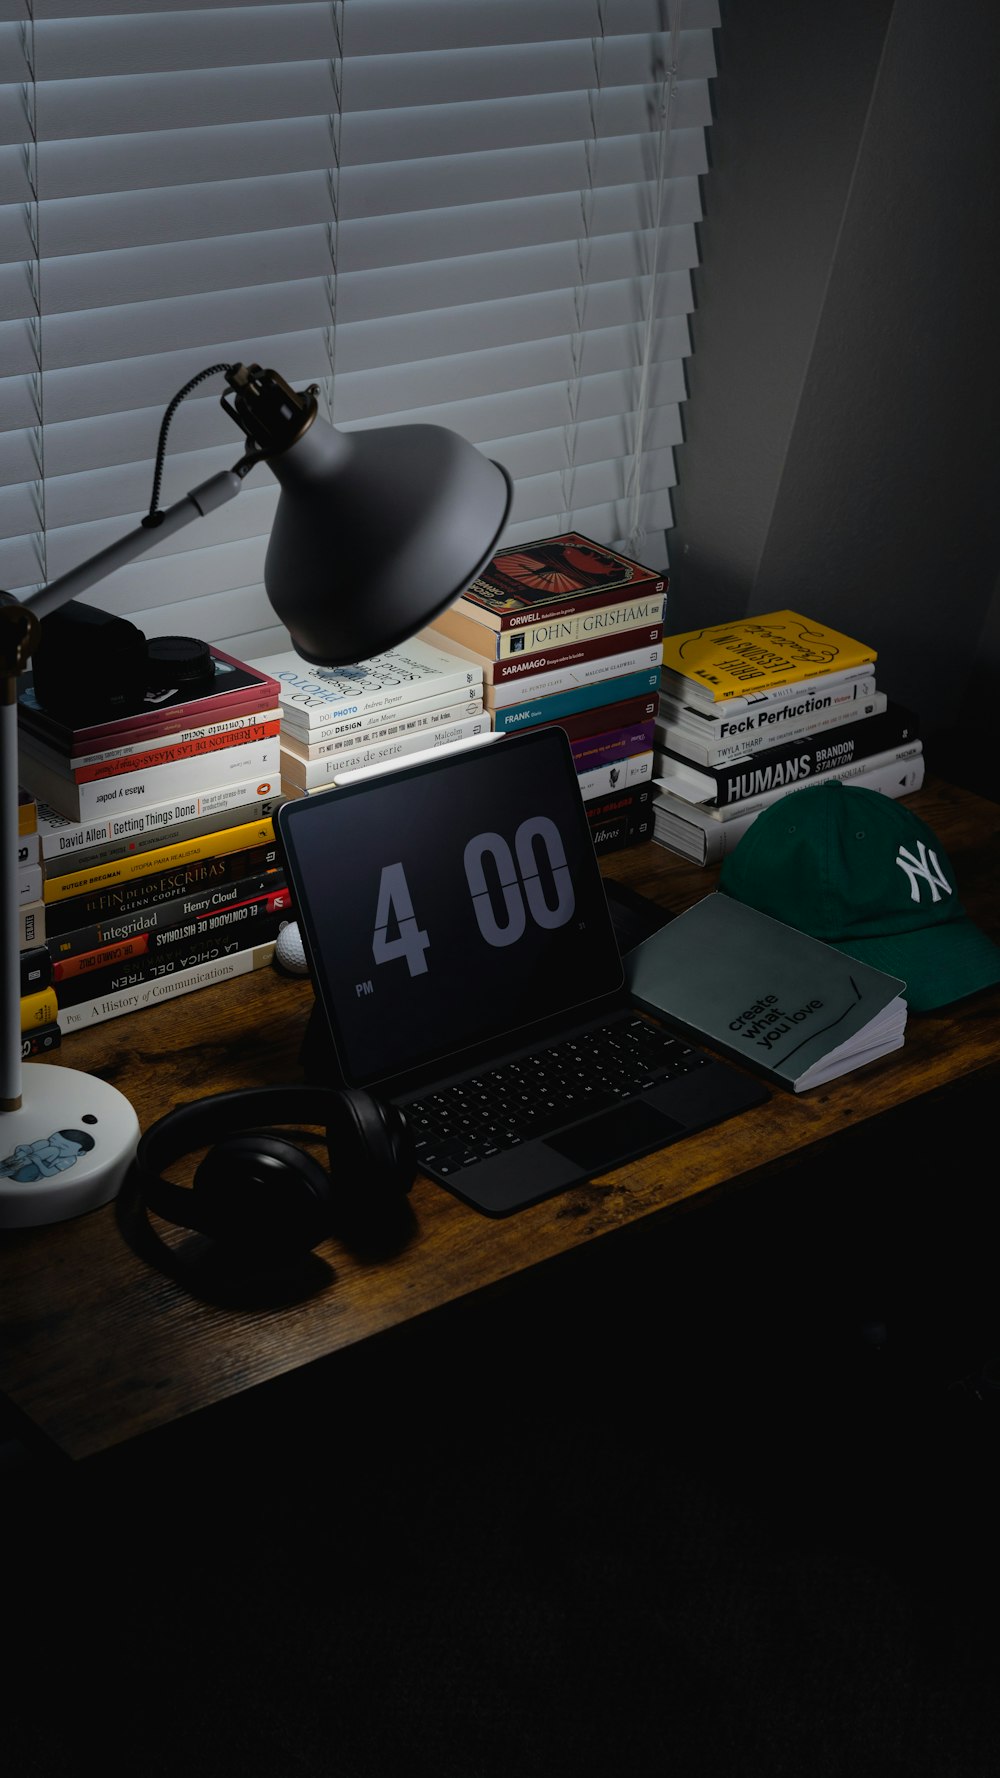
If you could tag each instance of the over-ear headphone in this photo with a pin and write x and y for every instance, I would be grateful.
(257, 1194)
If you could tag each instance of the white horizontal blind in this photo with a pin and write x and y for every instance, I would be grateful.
(478, 213)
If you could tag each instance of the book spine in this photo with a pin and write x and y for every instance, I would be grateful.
(158, 723)
(29, 883)
(257, 924)
(373, 733)
(57, 862)
(641, 585)
(163, 750)
(169, 987)
(600, 750)
(217, 843)
(143, 922)
(31, 925)
(38, 1009)
(794, 761)
(36, 970)
(147, 892)
(582, 697)
(846, 770)
(208, 806)
(619, 821)
(595, 672)
(738, 738)
(40, 1041)
(604, 717)
(312, 774)
(711, 839)
(86, 802)
(354, 729)
(603, 620)
(851, 683)
(27, 812)
(29, 849)
(637, 768)
(545, 660)
(310, 704)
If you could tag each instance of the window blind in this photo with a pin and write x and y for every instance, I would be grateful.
(475, 213)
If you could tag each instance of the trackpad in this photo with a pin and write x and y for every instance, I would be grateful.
(616, 1136)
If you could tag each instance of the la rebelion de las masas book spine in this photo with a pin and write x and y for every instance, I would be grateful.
(770, 996)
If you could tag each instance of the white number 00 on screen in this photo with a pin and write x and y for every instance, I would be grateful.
(520, 886)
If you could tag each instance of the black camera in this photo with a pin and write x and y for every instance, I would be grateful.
(91, 667)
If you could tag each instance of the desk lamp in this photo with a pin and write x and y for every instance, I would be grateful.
(375, 532)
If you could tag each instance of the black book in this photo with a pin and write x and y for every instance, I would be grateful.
(797, 761)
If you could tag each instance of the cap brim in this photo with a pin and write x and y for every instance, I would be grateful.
(939, 965)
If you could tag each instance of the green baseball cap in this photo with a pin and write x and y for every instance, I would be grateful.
(862, 872)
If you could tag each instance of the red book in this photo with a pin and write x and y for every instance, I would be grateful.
(234, 686)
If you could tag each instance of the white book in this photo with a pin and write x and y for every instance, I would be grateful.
(850, 682)
(360, 721)
(168, 987)
(31, 924)
(637, 768)
(314, 774)
(857, 768)
(131, 790)
(63, 838)
(378, 729)
(318, 695)
(694, 832)
(723, 737)
(516, 691)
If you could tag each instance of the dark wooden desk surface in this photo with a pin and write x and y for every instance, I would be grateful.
(98, 1346)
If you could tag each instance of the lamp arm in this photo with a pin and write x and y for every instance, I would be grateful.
(18, 637)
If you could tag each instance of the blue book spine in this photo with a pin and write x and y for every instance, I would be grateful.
(582, 697)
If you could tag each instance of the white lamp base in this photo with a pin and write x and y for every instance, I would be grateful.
(66, 1149)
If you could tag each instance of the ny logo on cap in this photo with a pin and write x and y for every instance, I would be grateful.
(927, 867)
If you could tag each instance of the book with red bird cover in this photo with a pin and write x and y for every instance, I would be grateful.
(554, 578)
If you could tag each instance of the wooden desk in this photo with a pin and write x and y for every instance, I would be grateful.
(98, 1347)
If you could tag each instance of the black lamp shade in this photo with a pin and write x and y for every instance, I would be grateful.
(376, 532)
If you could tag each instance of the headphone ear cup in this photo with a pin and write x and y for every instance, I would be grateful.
(261, 1195)
(371, 1147)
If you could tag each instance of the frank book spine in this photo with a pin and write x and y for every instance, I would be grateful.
(169, 987)
(567, 573)
(148, 892)
(753, 729)
(130, 790)
(595, 672)
(603, 620)
(65, 949)
(256, 923)
(567, 703)
(792, 762)
(545, 660)
(214, 844)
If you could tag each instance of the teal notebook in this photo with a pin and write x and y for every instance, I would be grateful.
(784, 1004)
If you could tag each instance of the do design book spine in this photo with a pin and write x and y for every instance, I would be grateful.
(583, 697)
(354, 730)
(794, 761)
(146, 892)
(372, 734)
(169, 987)
(84, 802)
(66, 948)
(746, 733)
(312, 698)
(257, 923)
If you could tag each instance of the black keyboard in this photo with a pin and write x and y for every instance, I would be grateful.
(545, 1090)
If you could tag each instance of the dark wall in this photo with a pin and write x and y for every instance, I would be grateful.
(842, 451)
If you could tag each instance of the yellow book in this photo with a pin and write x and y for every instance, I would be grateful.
(757, 654)
(147, 864)
(27, 813)
(39, 1009)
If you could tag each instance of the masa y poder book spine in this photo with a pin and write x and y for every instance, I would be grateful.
(230, 765)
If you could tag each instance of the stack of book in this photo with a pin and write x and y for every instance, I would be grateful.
(568, 631)
(753, 709)
(156, 867)
(336, 720)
